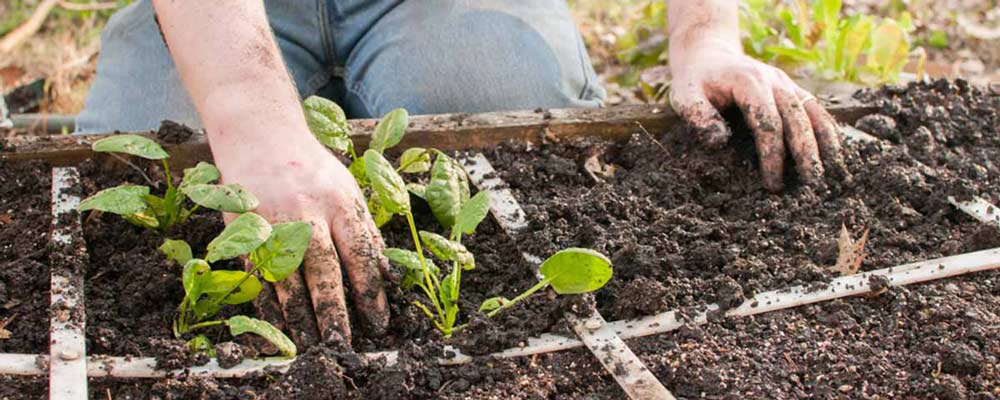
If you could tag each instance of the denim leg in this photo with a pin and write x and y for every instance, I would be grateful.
(137, 84)
(438, 56)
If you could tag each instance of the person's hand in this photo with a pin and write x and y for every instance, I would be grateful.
(709, 75)
(303, 182)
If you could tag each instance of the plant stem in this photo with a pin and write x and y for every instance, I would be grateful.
(166, 173)
(205, 324)
(432, 284)
(541, 284)
(403, 166)
(240, 283)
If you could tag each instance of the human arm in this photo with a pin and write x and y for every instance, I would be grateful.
(710, 72)
(231, 66)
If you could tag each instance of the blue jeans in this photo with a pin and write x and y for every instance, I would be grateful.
(370, 56)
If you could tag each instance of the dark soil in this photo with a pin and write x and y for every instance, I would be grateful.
(25, 221)
(684, 227)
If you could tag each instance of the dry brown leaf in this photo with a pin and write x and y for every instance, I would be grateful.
(5, 334)
(850, 252)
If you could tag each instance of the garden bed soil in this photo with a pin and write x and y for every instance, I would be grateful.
(684, 227)
(25, 221)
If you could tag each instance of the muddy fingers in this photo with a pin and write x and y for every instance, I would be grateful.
(297, 310)
(692, 105)
(761, 113)
(322, 272)
(360, 247)
(828, 138)
(799, 136)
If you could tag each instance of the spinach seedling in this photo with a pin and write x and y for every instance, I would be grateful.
(442, 292)
(570, 271)
(135, 203)
(275, 252)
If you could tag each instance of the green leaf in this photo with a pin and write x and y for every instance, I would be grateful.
(472, 213)
(415, 160)
(357, 169)
(243, 235)
(176, 250)
(199, 175)
(194, 277)
(889, 49)
(121, 200)
(227, 198)
(145, 219)
(417, 189)
(240, 324)
(222, 282)
(493, 303)
(205, 308)
(575, 270)
(378, 211)
(937, 38)
(447, 250)
(328, 123)
(282, 253)
(201, 344)
(131, 144)
(409, 262)
(448, 190)
(387, 183)
(390, 130)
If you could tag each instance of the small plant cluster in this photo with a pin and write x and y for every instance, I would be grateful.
(275, 251)
(813, 35)
(448, 195)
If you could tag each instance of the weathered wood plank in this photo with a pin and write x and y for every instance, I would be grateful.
(444, 131)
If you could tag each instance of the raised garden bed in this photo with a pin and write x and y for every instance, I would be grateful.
(685, 228)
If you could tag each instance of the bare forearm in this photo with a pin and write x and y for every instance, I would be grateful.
(232, 69)
(692, 22)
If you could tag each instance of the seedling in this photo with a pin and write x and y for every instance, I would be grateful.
(449, 197)
(275, 252)
(135, 203)
(569, 271)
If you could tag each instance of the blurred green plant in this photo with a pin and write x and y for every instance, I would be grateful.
(812, 38)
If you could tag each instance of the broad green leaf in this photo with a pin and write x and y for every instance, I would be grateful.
(243, 235)
(448, 190)
(282, 253)
(201, 344)
(357, 169)
(328, 123)
(205, 308)
(409, 262)
(227, 198)
(889, 49)
(176, 250)
(145, 219)
(240, 324)
(493, 303)
(387, 183)
(378, 211)
(447, 250)
(575, 270)
(417, 189)
(472, 213)
(121, 200)
(390, 130)
(415, 160)
(222, 282)
(937, 39)
(131, 144)
(194, 277)
(853, 40)
(793, 53)
(199, 175)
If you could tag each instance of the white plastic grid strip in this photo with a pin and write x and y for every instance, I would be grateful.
(67, 341)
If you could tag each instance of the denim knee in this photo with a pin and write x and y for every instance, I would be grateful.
(476, 60)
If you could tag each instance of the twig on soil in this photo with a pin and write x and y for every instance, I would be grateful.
(88, 7)
(650, 135)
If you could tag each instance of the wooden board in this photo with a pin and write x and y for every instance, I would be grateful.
(443, 131)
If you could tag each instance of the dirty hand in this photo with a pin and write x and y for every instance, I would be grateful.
(303, 182)
(710, 75)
